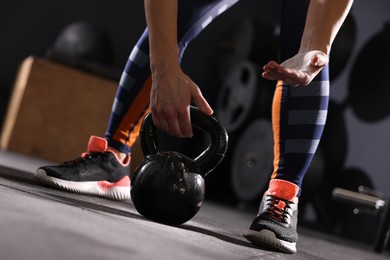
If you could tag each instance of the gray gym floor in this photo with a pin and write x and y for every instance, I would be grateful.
(39, 223)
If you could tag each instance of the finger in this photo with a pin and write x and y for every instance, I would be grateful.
(200, 101)
(155, 119)
(269, 75)
(162, 121)
(185, 123)
(278, 74)
(174, 127)
(273, 75)
(291, 77)
(164, 126)
(171, 122)
(271, 70)
(272, 65)
(320, 60)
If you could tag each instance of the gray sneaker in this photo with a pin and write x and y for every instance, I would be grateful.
(275, 226)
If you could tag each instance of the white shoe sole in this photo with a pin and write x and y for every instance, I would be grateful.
(267, 238)
(90, 187)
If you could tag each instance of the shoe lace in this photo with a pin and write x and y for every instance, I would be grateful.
(278, 208)
(86, 157)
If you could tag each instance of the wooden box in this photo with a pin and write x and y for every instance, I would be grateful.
(54, 109)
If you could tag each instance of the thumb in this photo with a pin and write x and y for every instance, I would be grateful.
(320, 59)
(200, 101)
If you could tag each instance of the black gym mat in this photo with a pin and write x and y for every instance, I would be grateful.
(39, 223)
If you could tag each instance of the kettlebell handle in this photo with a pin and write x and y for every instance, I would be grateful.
(210, 158)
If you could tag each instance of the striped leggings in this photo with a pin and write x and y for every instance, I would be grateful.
(298, 113)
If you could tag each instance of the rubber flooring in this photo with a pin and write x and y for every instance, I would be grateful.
(41, 223)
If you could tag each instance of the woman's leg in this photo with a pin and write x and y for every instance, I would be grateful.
(104, 169)
(298, 118)
(132, 98)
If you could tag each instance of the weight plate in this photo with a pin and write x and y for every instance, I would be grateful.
(248, 39)
(252, 161)
(237, 95)
(369, 90)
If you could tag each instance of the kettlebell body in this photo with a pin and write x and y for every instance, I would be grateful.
(169, 187)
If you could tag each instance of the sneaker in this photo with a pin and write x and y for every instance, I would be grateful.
(96, 172)
(275, 226)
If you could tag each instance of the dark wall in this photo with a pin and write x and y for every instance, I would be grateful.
(31, 27)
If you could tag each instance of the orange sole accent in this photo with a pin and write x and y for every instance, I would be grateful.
(105, 185)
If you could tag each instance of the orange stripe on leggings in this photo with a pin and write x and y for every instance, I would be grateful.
(131, 122)
(276, 124)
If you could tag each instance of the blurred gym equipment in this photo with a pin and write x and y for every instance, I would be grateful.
(243, 96)
(252, 161)
(84, 46)
(249, 40)
(368, 201)
(369, 90)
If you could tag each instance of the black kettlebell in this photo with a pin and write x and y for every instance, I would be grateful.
(167, 186)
